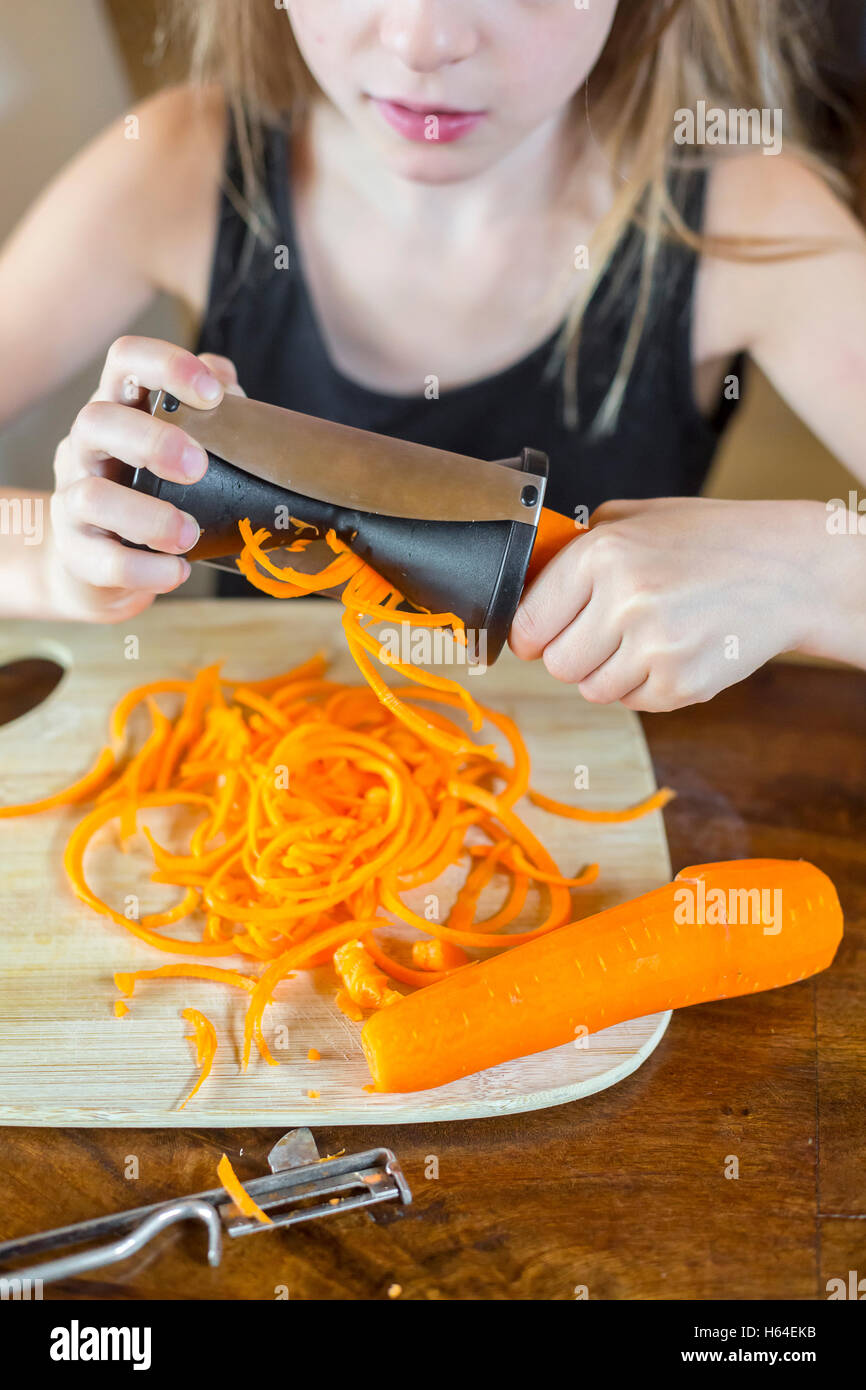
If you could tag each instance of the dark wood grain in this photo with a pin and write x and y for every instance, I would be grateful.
(624, 1192)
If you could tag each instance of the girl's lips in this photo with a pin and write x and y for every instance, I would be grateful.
(427, 126)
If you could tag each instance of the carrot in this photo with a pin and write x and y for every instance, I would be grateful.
(205, 1039)
(126, 981)
(655, 802)
(238, 1193)
(365, 985)
(360, 582)
(78, 791)
(348, 1007)
(553, 533)
(682, 944)
(438, 955)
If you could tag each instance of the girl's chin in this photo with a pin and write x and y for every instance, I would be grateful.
(445, 164)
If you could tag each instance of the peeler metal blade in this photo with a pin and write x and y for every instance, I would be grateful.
(301, 1186)
(357, 469)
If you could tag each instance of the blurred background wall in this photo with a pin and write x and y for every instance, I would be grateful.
(68, 67)
(63, 78)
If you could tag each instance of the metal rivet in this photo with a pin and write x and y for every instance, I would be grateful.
(529, 495)
(170, 403)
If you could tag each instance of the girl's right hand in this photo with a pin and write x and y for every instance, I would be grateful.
(92, 575)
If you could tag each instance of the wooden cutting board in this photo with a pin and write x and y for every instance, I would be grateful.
(66, 1060)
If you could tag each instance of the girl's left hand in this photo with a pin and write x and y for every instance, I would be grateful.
(664, 603)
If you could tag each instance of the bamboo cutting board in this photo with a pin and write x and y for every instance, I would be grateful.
(66, 1060)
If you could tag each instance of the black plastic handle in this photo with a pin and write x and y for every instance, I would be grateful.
(474, 569)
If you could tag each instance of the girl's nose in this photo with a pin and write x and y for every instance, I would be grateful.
(428, 34)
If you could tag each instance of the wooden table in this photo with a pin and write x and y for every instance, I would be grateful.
(625, 1192)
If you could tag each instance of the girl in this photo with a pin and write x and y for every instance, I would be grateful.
(478, 224)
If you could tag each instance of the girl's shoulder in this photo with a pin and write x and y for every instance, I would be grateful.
(785, 224)
(143, 194)
(181, 133)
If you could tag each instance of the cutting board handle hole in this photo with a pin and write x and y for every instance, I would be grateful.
(25, 683)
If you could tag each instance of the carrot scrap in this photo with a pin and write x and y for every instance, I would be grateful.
(314, 1055)
(205, 1039)
(347, 1006)
(365, 985)
(561, 808)
(438, 955)
(78, 791)
(238, 1193)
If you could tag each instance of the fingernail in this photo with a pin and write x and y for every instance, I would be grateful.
(193, 462)
(185, 571)
(208, 387)
(189, 532)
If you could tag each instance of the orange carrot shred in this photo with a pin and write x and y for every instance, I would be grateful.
(78, 791)
(642, 808)
(238, 1193)
(365, 985)
(205, 1039)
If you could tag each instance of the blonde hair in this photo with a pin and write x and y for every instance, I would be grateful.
(661, 57)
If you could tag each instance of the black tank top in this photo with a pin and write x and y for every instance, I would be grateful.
(262, 317)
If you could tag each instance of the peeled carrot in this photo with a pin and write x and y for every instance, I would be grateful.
(685, 943)
(553, 534)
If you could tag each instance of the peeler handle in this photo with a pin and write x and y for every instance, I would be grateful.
(99, 1256)
(475, 568)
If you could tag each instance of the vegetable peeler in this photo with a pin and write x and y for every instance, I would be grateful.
(301, 1186)
(452, 533)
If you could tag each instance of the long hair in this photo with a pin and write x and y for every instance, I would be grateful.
(661, 57)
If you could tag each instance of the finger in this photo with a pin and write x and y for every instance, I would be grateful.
(106, 564)
(617, 509)
(655, 696)
(224, 369)
(103, 431)
(98, 502)
(582, 646)
(136, 365)
(619, 676)
(561, 591)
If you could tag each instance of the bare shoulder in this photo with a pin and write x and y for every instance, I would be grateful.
(788, 203)
(173, 144)
(132, 213)
(140, 199)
